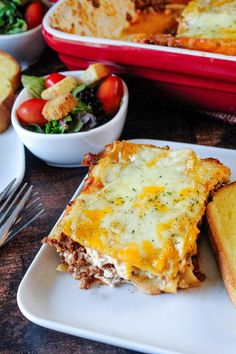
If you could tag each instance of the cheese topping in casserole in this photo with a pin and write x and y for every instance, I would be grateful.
(120, 19)
(214, 19)
(141, 206)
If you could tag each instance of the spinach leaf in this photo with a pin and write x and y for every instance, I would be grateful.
(33, 128)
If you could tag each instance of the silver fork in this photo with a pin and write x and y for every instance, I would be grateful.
(18, 208)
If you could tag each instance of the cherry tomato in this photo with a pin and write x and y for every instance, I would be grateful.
(52, 79)
(110, 93)
(34, 14)
(30, 112)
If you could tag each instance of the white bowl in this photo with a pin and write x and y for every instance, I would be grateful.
(67, 150)
(26, 47)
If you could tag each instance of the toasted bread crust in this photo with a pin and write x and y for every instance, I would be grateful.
(6, 101)
(15, 77)
(9, 83)
(219, 246)
(5, 111)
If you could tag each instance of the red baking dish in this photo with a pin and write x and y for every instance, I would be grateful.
(207, 80)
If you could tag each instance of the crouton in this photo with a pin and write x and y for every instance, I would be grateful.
(59, 107)
(62, 87)
(94, 73)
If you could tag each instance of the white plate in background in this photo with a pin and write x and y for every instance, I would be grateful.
(12, 158)
(194, 321)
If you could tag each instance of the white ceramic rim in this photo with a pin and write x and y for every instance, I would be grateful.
(118, 43)
(16, 124)
(25, 33)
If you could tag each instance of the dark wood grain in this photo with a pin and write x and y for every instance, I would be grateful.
(151, 115)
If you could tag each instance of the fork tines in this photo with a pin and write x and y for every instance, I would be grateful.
(17, 210)
(7, 189)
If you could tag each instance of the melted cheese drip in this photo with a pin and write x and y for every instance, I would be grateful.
(214, 19)
(144, 216)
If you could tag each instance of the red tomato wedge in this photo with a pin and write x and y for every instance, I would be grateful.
(34, 14)
(30, 112)
(110, 93)
(52, 79)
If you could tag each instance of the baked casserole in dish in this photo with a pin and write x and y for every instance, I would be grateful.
(189, 48)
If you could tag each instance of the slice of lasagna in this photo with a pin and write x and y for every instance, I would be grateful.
(136, 219)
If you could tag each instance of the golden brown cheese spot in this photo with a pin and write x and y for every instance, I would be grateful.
(160, 259)
(151, 192)
(152, 162)
(149, 198)
(151, 23)
(185, 193)
(151, 253)
(110, 10)
(130, 254)
(178, 228)
(149, 258)
(117, 228)
(168, 258)
(162, 227)
(123, 150)
(190, 245)
(88, 229)
(119, 201)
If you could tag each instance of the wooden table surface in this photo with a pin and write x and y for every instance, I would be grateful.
(150, 116)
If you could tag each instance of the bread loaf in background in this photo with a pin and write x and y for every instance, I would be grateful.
(9, 83)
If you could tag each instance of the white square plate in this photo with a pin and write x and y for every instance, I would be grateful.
(194, 321)
(12, 158)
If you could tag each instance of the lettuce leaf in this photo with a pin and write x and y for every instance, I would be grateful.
(78, 89)
(82, 107)
(58, 126)
(11, 19)
(35, 85)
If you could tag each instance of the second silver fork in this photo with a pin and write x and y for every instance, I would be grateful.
(18, 208)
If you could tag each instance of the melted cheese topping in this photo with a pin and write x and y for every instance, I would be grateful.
(111, 19)
(209, 19)
(142, 206)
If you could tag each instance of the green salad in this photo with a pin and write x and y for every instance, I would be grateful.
(18, 16)
(62, 104)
